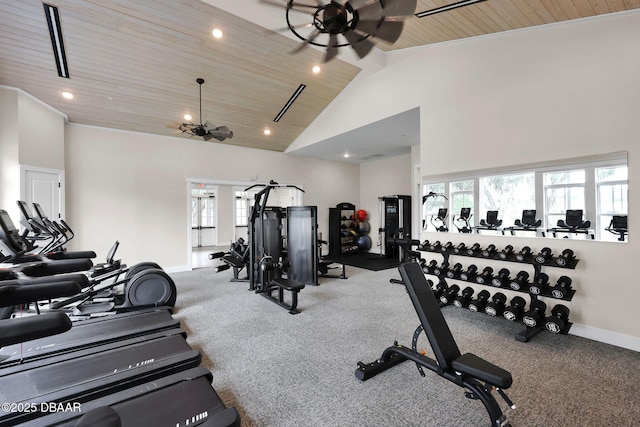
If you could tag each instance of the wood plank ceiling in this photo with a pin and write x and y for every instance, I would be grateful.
(133, 63)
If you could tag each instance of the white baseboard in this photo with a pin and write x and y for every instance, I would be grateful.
(177, 269)
(608, 337)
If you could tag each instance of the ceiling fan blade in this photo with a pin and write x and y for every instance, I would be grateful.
(207, 136)
(221, 130)
(372, 11)
(359, 45)
(399, 7)
(304, 44)
(359, 3)
(387, 30)
(332, 48)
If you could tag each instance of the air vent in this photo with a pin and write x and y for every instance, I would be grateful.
(291, 100)
(55, 32)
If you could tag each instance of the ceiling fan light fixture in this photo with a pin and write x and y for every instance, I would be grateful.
(450, 6)
(204, 130)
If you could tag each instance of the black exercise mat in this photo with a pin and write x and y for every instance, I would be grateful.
(367, 261)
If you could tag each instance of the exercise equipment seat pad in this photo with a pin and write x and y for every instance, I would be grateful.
(474, 366)
(289, 285)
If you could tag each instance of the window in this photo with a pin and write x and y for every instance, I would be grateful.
(596, 185)
(507, 194)
(461, 196)
(612, 197)
(431, 205)
(562, 191)
(244, 202)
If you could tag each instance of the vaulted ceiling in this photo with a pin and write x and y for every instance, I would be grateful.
(133, 64)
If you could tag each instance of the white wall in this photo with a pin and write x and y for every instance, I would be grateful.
(31, 134)
(133, 187)
(540, 94)
(9, 152)
(41, 133)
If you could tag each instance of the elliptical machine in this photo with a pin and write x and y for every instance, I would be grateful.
(464, 218)
(145, 284)
(440, 223)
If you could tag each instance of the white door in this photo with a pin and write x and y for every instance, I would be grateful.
(44, 188)
(203, 218)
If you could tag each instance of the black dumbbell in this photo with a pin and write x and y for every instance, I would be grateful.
(428, 268)
(524, 254)
(470, 273)
(485, 277)
(447, 247)
(424, 245)
(520, 282)
(535, 315)
(454, 272)
(502, 278)
(435, 246)
(496, 306)
(449, 294)
(489, 251)
(478, 304)
(515, 309)
(565, 258)
(506, 253)
(439, 289)
(540, 284)
(558, 320)
(462, 300)
(474, 249)
(460, 248)
(562, 288)
(442, 269)
(543, 256)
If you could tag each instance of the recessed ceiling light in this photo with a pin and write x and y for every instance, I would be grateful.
(187, 117)
(217, 33)
(346, 155)
(316, 69)
(267, 131)
(67, 95)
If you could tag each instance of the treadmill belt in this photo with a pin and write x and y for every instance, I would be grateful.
(88, 333)
(82, 379)
(180, 399)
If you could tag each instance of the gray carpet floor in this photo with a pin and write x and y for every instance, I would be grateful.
(285, 370)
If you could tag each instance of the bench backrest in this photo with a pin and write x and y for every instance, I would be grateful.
(435, 326)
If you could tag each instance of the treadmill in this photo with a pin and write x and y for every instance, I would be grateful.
(143, 381)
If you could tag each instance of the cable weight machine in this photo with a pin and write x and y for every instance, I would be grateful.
(276, 263)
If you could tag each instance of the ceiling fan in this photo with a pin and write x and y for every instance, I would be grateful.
(351, 23)
(206, 130)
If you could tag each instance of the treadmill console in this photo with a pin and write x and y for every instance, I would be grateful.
(9, 234)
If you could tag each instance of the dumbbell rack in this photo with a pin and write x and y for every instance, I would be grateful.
(526, 334)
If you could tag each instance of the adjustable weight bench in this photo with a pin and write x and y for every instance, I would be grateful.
(476, 375)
